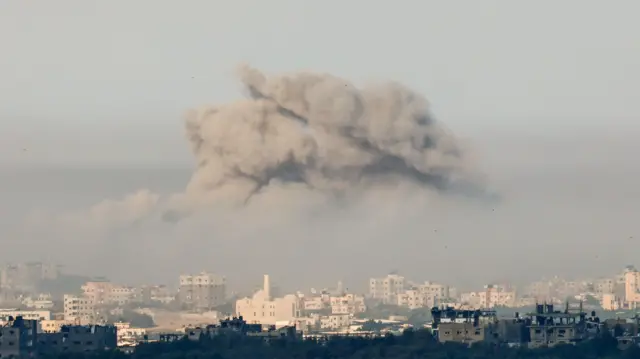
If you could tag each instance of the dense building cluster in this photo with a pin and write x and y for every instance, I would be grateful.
(197, 304)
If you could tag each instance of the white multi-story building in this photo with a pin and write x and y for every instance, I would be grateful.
(263, 309)
(387, 288)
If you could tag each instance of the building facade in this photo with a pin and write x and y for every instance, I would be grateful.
(78, 309)
(266, 310)
(386, 289)
(203, 291)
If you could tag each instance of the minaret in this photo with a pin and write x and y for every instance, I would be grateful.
(267, 288)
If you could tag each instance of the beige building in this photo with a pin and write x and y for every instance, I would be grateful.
(497, 296)
(202, 291)
(335, 322)
(415, 298)
(52, 326)
(387, 288)
(106, 293)
(41, 301)
(435, 290)
(313, 303)
(466, 333)
(632, 288)
(263, 309)
(25, 314)
(78, 309)
(492, 296)
(611, 302)
(348, 304)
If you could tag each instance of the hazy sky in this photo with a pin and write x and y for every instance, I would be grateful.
(545, 92)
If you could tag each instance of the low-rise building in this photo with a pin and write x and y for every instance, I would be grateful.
(335, 322)
(25, 314)
(52, 326)
(549, 327)
(465, 326)
(79, 339)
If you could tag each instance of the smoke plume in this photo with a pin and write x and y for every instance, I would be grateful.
(309, 132)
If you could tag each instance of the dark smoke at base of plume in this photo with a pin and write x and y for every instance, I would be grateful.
(322, 132)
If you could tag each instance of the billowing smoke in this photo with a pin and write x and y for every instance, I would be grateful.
(308, 132)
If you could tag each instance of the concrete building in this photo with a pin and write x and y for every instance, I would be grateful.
(335, 322)
(497, 296)
(467, 333)
(78, 339)
(41, 301)
(128, 335)
(25, 314)
(632, 288)
(437, 291)
(347, 304)
(51, 326)
(611, 302)
(263, 309)
(387, 288)
(464, 326)
(415, 298)
(549, 327)
(18, 338)
(154, 293)
(79, 310)
(312, 304)
(203, 291)
(492, 296)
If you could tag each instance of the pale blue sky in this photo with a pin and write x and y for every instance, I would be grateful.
(546, 91)
(77, 76)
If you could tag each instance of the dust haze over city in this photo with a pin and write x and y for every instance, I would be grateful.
(321, 142)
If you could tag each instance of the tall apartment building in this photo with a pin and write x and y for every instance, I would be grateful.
(387, 288)
(79, 310)
(202, 291)
(632, 288)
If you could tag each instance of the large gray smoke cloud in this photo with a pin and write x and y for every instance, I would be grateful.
(309, 132)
